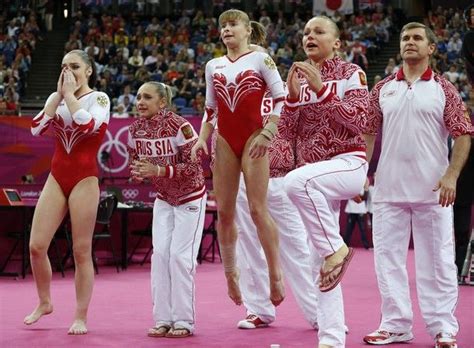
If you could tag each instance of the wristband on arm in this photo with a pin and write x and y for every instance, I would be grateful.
(270, 130)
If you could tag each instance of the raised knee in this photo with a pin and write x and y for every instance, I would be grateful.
(291, 185)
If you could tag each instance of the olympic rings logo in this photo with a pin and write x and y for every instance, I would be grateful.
(114, 144)
(130, 193)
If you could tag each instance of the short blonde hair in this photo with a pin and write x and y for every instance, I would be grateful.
(232, 15)
(258, 35)
(333, 24)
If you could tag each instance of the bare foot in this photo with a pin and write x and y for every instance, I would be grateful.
(42, 309)
(277, 291)
(332, 266)
(78, 327)
(159, 331)
(324, 346)
(233, 289)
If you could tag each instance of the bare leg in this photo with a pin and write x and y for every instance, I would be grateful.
(49, 214)
(256, 174)
(83, 203)
(226, 183)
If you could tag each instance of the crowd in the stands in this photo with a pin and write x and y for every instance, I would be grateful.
(129, 51)
(20, 30)
(130, 48)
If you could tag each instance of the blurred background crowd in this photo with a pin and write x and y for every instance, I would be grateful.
(137, 43)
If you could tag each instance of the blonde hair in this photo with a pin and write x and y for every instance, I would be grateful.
(163, 90)
(333, 24)
(258, 35)
(233, 15)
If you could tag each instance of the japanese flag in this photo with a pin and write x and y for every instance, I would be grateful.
(329, 6)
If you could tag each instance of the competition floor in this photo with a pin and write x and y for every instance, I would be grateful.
(120, 312)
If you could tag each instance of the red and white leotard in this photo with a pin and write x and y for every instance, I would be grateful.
(77, 138)
(331, 122)
(166, 140)
(234, 94)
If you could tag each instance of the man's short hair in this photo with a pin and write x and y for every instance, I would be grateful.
(430, 35)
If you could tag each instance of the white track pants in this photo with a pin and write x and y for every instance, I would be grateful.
(297, 264)
(436, 276)
(316, 189)
(177, 233)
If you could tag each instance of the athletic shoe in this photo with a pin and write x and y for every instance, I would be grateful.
(381, 337)
(251, 322)
(445, 340)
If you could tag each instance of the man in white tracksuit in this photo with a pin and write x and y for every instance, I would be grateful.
(415, 187)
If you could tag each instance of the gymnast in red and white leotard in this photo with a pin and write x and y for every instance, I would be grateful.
(236, 85)
(78, 116)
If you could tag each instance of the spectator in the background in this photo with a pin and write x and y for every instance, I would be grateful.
(123, 52)
(103, 57)
(150, 41)
(198, 102)
(13, 28)
(105, 86)
(127, 92)
(154, 26)
(454, 46)
(392, 67)
(73, 43)
(121, 38)
(125, 77)
(452, 74)
(120, 112)
(49, 14)
(441, 45)
(141, 76)
(358, 55)
(356, 210)
(136, 60)
(12, 100)
(187, 90)
(92, 50)
(218, 50)
(377, 78)
(3, 105)
(151, 60)
(128, 106)
(10, 90)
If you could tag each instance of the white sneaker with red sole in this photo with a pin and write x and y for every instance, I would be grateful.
(381, 337)
(445, 340)
(251, 322)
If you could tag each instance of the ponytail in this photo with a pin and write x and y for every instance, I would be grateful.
(259, 34)
(163, 90)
